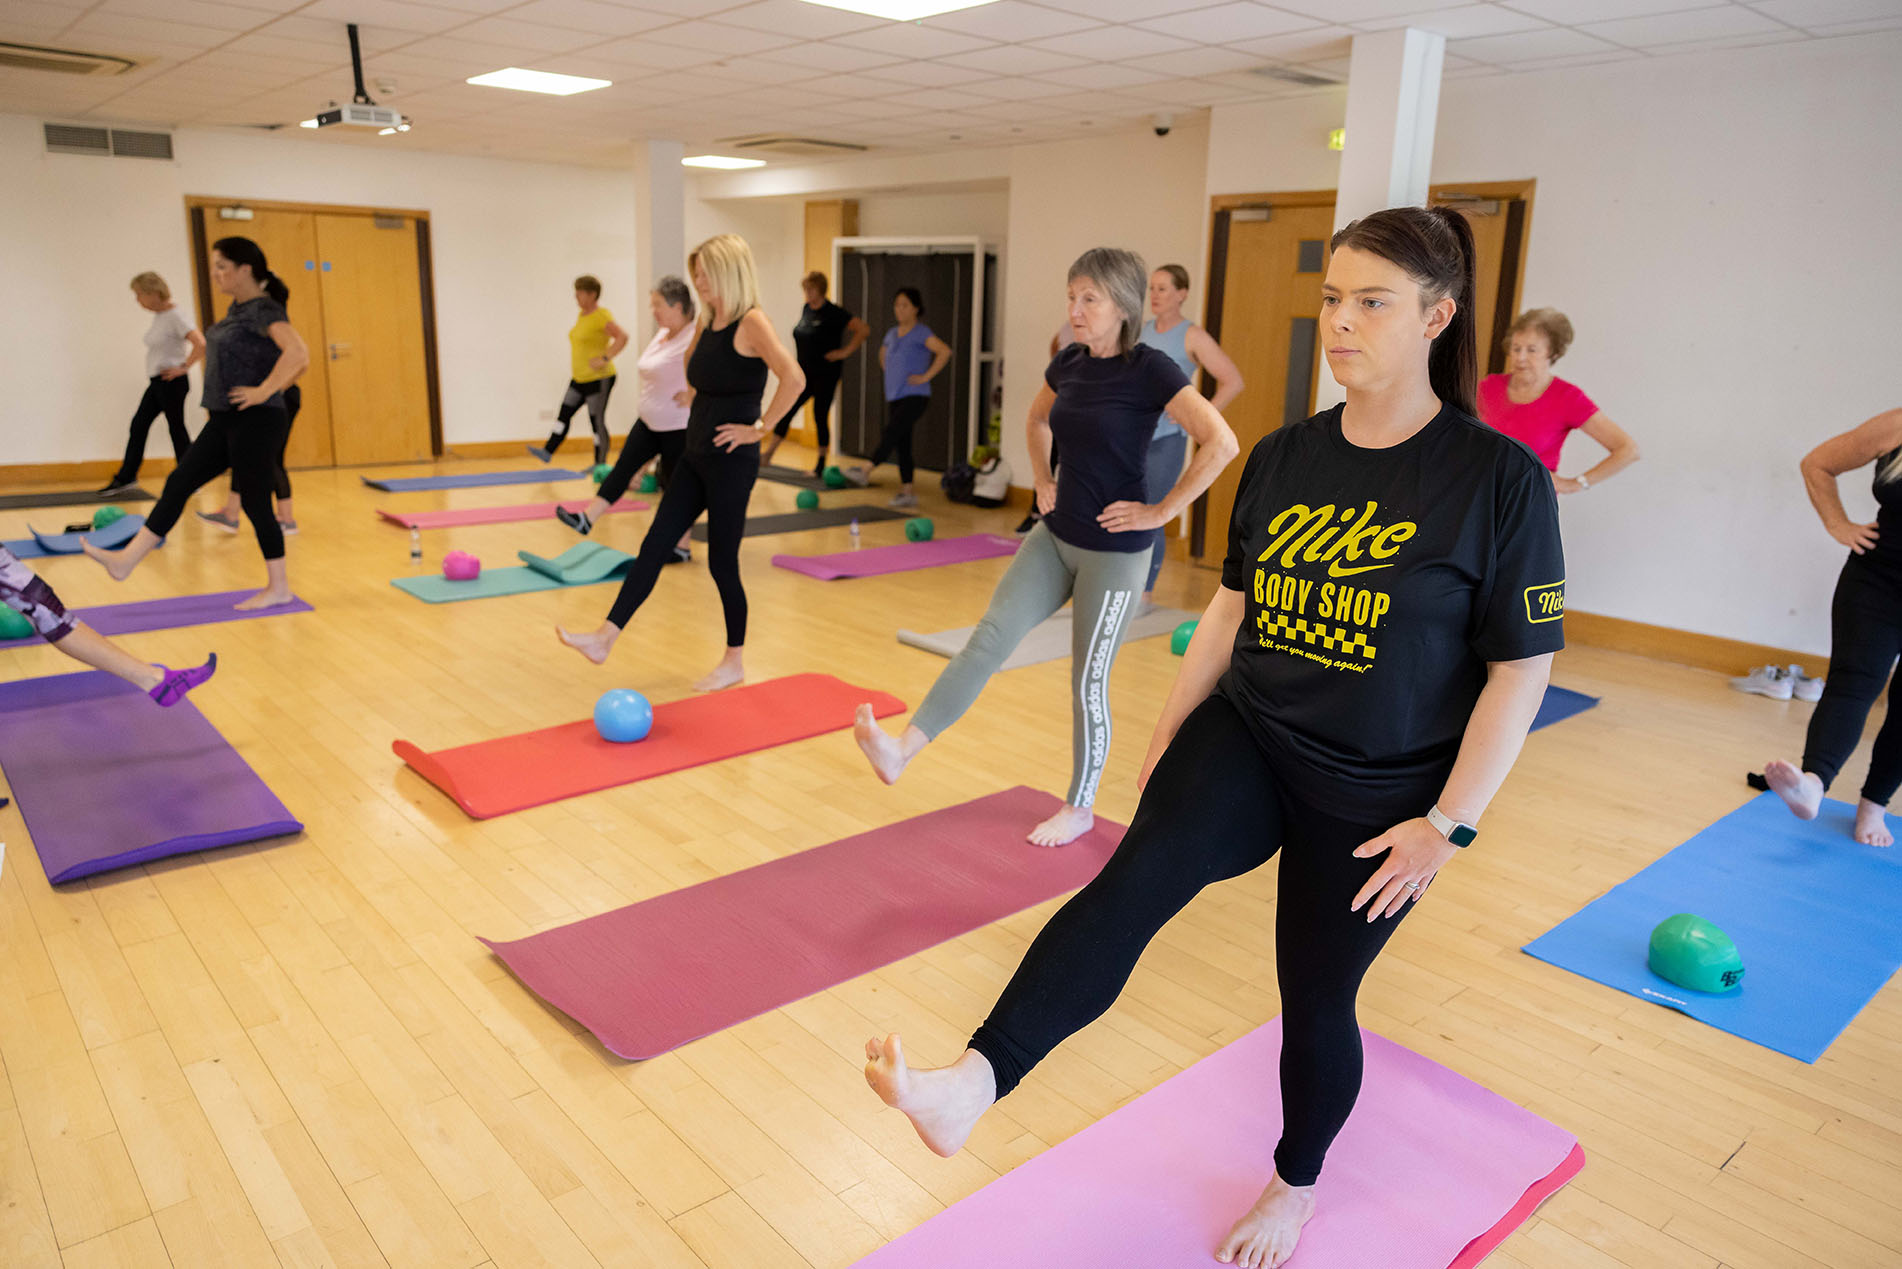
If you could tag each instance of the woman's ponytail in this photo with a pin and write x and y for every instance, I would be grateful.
(1453, 366)
(275, 288)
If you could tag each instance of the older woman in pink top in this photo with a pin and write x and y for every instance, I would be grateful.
(1533, 405)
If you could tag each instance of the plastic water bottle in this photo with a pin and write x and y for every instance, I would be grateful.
(415, 545)
(855, 533)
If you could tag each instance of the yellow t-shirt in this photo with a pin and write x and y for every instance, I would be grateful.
(589, 338)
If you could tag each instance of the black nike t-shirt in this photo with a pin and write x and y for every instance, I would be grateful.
(1103, 419)
(1378, 583)
(820, 331)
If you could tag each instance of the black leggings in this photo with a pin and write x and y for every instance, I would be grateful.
(819, 390)
(640, 447)
(162, 396)
(1215, 808)
(900, 417)
(1865, 636)
(248, 444)
(595, 393)
(718, 483)
(280, 478)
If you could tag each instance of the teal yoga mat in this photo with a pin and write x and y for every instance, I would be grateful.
(586, 564)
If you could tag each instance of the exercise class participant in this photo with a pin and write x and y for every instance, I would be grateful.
(593, 343)
(661, 430)
(1192, 349)
(252, 355)
(826, 335)
(1353, 697)
(911, 357)
(1100, 398)
(172, 347)
(1536, 406)
(226, 517)
(733, 349)
(1865, 632)
(25, 593)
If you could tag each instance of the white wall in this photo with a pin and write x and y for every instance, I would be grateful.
(507, 238)
(985, 213)
(1721, 228)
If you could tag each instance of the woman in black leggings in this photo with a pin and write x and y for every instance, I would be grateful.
(726, 373)
(252, 356)
(226, 517)
(1865, 632)
(172, 347)
(1352, 699)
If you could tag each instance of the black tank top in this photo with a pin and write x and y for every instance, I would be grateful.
(727, 385)
(1888, 548)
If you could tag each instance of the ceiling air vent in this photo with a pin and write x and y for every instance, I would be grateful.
(1294, 75)
(791, 146)
(141, 145)
(69, 138)
(62, 61)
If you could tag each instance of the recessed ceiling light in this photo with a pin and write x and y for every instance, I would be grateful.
(534, 81)
(720, 161)
(901, 10)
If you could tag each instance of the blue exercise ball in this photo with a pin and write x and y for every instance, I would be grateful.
(623, 716)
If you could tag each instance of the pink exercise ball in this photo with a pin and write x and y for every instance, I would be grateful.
(460, 566)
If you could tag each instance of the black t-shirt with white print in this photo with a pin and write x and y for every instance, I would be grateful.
(1378, 583)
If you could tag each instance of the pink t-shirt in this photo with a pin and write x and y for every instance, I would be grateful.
(1543, 424)
(663, 370)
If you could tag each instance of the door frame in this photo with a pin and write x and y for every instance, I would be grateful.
(197, 214)
(1518, 237)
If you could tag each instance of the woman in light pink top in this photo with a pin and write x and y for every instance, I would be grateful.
(1533, 405)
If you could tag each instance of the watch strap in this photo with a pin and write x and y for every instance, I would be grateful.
(1452, 830)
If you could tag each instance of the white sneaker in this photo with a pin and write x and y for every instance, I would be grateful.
(903, 500)
(1806, 688)
(1773, 681)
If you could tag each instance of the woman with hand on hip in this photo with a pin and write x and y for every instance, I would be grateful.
(911, 357)
(1533, 405)
(593, 343)
(172, 347)
(826, 335)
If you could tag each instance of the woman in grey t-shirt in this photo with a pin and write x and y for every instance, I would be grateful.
(172, 347)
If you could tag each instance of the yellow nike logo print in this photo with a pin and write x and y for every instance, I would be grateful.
(1334, 569)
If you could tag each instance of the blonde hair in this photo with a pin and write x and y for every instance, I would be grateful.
(150, 283)
(1554, 325)
(731, 276)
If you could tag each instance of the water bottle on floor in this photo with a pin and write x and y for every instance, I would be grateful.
(855, 533)
(415, 545)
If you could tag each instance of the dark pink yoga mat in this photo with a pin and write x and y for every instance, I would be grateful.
(495, 515)
(649, 977)
(168, 614)
(1431, 1172)
(901, 558)
(105, 778)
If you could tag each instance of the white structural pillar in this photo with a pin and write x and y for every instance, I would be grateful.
(1393, 102)
(660, 225)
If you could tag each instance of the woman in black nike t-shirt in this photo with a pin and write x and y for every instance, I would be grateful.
(1353, 698)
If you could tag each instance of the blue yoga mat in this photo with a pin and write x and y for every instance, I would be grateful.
(110, 538)
(1812, 912)
(1561, 703)
(532, 476)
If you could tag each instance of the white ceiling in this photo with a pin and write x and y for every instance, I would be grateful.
(702, 70)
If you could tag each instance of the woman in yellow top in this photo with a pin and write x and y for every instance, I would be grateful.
(593, 341)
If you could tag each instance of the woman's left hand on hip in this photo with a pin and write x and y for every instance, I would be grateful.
(730, 436)
(246, 398)
(1131, 517)
(1415, 852)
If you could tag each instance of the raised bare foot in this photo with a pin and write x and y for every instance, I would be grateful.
(1265, 1237)
(1872, 826)
(594, 645)
(114, 562)
(724, 675)
(882, 749)
(1800, 791)
(1068, 824)
(266, 598)
(943, 1104)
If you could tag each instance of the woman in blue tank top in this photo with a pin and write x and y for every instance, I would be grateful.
(910, 357)
(1191, 348)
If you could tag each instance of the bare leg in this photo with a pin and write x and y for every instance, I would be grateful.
(729, 673)
(88, 647)
(1265, 1237)
(121, 562)
(233, 507)
(943, 1104)
(888, 754)
(1801, 791)
(597, 507)
(1872, 827)
(1068, 824)
(284, 513)
(595, 644)
(277, 589)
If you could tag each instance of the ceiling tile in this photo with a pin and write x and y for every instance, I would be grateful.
(1226, 23)
(1105, 75)
(333, 37)
(1570, 12)
(756, 69)
(1779, 35)
(591, 16)
(1196, 61)
(1011, 21)
(1853, 28)
(1113, 43)
(1302, 46)
(1466, 21)
(123, 33)
(795, 17)
(830, 57)
(1507, 50)
(941, 99)
(1353, 10)
(906, 40)
(1124, 10)
(641, 51)
(1013, 59)
(716, 37)
(1819, 13)
(1717, 22)
(215, 17)
(1202, 92)
(394, 15)
(928, 74)
(1612, 53)
(1017, 88)
(526, 38)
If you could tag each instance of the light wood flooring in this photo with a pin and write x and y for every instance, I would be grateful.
(299, 1053)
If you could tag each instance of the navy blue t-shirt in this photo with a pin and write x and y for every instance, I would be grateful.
(1105, 414)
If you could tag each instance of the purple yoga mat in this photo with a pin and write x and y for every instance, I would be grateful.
(106, 778)
(901, 558)
(1429, 1165)
(651, 976)
(167, 614)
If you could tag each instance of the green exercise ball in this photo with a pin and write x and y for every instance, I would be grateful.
(1693, 953)
(648, 483)
(1180, 636)
(107, 515)
(600, 472)
(834, 478)
(13, 625)
(918, 529)
(806, 500)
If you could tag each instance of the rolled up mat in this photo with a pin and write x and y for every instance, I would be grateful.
(1431, 1171)
(584, 564)
(495, 515)
(170, 613)
(1560, 704)
(901, 558)
(649, 977)
(794, 521)
(69, 498)
(476, 480)
(511, 773)
(1048, 640)
(105, 778)
(110, 538)
(1811, 910)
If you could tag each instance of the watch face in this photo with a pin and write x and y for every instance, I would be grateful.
(1462, 835)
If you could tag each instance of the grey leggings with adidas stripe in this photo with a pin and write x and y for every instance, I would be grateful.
(1105, 586)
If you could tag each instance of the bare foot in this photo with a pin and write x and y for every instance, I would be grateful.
(883, 750)
(1266, 1236)
(1872, 827)
(594, 645)
(265, 599)
(1800, 791)
(943, 1104)
(1068, 824)
(724, 675)
(114, 562)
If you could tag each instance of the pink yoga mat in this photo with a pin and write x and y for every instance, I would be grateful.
(494, 515)
(901, 558)
(1431, 1172)
(649, 977)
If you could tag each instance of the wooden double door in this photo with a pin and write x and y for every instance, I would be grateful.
(359, 283)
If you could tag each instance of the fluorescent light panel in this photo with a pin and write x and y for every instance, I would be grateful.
(720, 161)
(534, 81)
(901, 10)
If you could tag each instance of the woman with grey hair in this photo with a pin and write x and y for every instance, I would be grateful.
(1100, 400)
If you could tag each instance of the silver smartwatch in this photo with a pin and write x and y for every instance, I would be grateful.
(1452, 830)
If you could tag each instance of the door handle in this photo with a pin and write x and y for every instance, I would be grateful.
(337, 350)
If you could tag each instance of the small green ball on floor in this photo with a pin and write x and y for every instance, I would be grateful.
(14, 625)
(918, 529)
(648, 483)
(601, 472)
(1694, 954)
(107, 515)
(806, 500)
(834, 478)
(1180, 636)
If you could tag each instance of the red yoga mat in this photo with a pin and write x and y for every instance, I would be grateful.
(649, 977)
(495, 515)
(512, 773)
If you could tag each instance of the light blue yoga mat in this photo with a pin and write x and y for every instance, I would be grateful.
(110, 538)
(1812, 912)
(1561, 703)
(584, 564)
(531, 476)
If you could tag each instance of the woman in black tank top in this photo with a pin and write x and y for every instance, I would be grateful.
(726, 372)
(1865, 634)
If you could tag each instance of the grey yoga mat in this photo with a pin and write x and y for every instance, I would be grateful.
(1048, 640)
(794, 521)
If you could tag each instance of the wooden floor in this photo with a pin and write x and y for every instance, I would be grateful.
(299, 1052)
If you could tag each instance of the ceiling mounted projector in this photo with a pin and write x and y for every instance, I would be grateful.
(356, 116)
